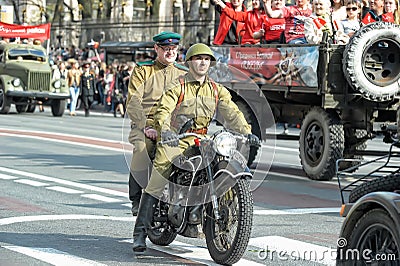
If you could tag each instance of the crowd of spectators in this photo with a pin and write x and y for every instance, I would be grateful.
(305, 22)
(111, 81)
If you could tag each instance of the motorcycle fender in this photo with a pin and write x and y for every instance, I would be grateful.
(233, 169)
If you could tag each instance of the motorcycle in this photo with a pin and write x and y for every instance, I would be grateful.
(209, 191)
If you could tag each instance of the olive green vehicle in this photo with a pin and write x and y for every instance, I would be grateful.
(26, 79)
(341, 95)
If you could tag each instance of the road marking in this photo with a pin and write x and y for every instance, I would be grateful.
(65, 190)
(7, 177)
(65, 182)
(191, 252)
(285, 249)
(35, 218)
(100, 198)
(297, 211)
(53, 256)
(31, 182)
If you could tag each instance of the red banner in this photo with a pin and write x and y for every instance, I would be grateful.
(41, 32)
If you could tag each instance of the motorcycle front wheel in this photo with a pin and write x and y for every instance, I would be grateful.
(228, 237)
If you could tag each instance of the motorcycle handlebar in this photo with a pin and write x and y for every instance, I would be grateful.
(184, 135)
(180, 136)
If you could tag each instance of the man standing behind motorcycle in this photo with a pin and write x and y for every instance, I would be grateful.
(195, 97)
(146, 85)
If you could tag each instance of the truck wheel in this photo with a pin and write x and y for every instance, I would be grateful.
(5, 102)
(385, 183)
(374, 232)
(255, 128)
(321, 143)
(371, 63)
(21, 108)
(58, 107)
(351, 145)
(31, 108)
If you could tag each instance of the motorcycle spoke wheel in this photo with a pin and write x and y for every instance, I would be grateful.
(228, 236)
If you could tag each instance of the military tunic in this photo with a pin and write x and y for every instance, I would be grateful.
(87, 89)
(147, 83)
(199, 103)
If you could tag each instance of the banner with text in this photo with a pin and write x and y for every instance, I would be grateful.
(41, 32)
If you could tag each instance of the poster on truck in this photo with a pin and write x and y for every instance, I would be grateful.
(280, 66)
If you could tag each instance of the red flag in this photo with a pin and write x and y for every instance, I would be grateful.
(319, 22)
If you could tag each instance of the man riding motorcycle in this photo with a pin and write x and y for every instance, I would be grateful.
(195, 97)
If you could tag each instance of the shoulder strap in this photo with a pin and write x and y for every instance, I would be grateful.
(180, 99)
(214, 85)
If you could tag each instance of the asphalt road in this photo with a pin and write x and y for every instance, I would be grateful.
(64, 200)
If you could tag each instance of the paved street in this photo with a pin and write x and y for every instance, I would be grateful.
(64, 200)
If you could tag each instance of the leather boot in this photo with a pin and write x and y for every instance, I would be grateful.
(135, 189)
(143, 222)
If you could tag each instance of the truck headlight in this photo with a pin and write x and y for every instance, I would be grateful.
(57, 84)
(16, 82)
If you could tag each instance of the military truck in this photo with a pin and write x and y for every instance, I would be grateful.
(342, 95)
(26, 79)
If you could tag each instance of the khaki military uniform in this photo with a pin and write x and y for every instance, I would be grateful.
(147, 83)
(199, 103)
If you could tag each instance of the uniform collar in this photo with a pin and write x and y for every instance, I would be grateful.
(190, 78)
(161, 65)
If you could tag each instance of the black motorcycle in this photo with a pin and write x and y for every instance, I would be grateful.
(209, 195)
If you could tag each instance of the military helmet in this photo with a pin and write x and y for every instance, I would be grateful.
(199, 49)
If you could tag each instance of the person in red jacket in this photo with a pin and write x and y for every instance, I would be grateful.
(273, 27)
(228, 29)
(294, 19)
(376, 12)
(253, 19)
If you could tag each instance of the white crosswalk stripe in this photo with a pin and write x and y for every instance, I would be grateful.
(64, 190)
(100, 198)
(53, 256)
(31, 182)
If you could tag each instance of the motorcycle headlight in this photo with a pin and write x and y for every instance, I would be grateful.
(225, 143)
(16, 82)
(57, 84)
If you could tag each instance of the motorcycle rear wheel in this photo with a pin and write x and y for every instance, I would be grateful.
(228, 238)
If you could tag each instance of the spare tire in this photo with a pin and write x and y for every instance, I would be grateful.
(371, 61)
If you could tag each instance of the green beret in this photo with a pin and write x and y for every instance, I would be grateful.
(167, 38)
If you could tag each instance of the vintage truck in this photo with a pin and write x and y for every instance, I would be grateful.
(26, 78)
(342, 95)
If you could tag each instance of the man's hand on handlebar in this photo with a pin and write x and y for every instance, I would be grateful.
(253, 140)
(170, 138)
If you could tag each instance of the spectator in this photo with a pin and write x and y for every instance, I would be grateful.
(229, 29)
(109, 83)
(100, 85)
(294, 19)
(351, 24)
(375, 12)
(74, 78)
(338, 10)
(392, 6)
(273, 27)
(252, 19)
(319, 22)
